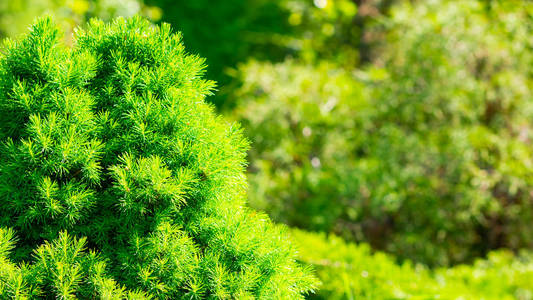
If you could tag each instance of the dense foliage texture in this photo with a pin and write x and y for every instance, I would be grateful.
(426, 154)
(109, 146)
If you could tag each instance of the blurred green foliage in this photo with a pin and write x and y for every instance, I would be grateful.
(233, 31)
(300, 133)
(320, 30)
(226, 32)
(17, 15)
(350, 271)
(424, 153)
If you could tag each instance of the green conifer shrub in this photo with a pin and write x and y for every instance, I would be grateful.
(118, 181)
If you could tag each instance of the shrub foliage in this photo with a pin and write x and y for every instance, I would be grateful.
(353, 271)
(118, 181)
(425, 154)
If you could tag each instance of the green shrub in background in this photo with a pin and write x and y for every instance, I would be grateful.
(457, 82)
(425, 154)
(231, 32)
(118, 181)
(319, 30)
(350, 271)
(301, 120)
(334, 30)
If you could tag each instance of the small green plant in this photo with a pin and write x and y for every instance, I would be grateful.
(118, 181)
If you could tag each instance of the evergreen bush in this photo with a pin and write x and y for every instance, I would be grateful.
(118, 181)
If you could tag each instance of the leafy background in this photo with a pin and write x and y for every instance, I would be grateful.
(393, 135)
